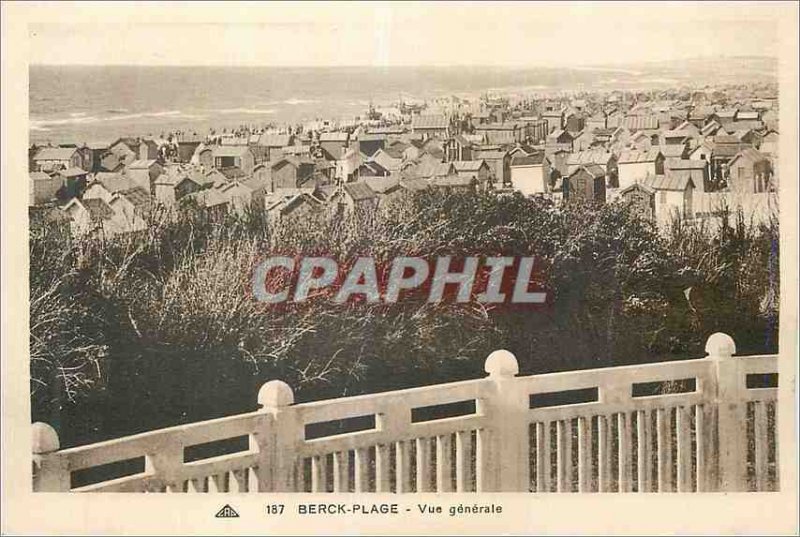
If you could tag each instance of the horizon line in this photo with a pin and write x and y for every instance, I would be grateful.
(417, 66)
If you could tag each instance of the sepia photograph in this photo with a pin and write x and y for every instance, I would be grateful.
(387, 261)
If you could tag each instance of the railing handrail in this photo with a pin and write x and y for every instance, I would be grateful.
(502, 391)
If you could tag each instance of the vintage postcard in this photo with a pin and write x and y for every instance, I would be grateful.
(399, 268)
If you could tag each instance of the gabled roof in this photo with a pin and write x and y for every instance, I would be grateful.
(39, 176)
(685, 126)
(382, 185)
(337, 136)
(210, 197)
(453, 181)
(745, 115)
(676, 133)
(414, 184)
(558, 133)
(468, 165)
(274, 140)
(633, 155)
(592, 169)
(536, 159)
(371, 137)
(685, 164)
(474, 138)
(750, 124)
(637, 186)
(749, 153)
(72, 172)
(298, 150)
(256, 184)
(640, 122)
(375, 167)
(726, 139)
(387, 129)
(359, 191)
(55, 153)
(230, 150)
(592, 156)
(673, 150)
(292, 160)
(429, 168)
(677, 181)
(490, 154)
(232, 173)
(711, 128)
(130, 143)
(97, 208)
(430, 122)
(138, 197)
(114, 182)
(294, 201)
(96, 145)
(141, 164)
(726, 113)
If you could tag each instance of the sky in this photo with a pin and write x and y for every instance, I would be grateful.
(398, 34)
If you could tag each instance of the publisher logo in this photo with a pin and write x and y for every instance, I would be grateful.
(227, 512)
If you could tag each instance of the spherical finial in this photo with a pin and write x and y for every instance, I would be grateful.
(720, 344)
(501, 363)
(45, 438)
(275, 394)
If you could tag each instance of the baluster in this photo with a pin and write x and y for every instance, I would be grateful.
(463, 462)
(683, 424)
(483, 459)
(341, 471)
(603, 454)
(761, 431)
(664, 448)
(254, 481)
(319, 475)
(196, 485)
(584, 454)
(216, 483)
(423, 465)
(299, 473)
(176, 486)
(444, 474)
(701, 433)
(402, 466)
(382, 464)
(564, 455)
(644, 450)
(624, 452)
(543, 457)
(362, 470)
(238, 480)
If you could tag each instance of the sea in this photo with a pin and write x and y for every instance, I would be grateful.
(84, 104)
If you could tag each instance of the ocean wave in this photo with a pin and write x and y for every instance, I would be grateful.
(253, 111)
(300, 101)
(81, 118)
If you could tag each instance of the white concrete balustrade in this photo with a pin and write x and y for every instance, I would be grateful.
(597, 430)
